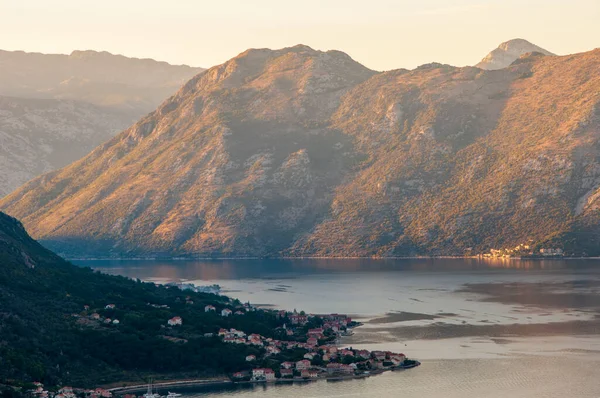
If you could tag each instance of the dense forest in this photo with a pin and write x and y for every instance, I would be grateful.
(48, 330)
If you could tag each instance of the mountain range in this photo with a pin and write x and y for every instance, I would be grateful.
(298, 152)
(54, 109)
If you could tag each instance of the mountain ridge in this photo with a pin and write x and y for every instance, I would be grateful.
(54, 109)
(299, 152)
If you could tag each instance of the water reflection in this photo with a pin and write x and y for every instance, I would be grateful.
(277, 268)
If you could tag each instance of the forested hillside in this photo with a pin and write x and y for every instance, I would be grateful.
(54, 325)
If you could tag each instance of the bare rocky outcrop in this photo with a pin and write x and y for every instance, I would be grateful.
(509, 52)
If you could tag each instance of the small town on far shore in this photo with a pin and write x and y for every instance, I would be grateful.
(523, 251)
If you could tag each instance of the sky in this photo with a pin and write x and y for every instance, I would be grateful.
(380, 34)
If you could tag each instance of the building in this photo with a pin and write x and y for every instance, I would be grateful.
(297, 319)
(237, 333)
(67, 392)
(317, 333)
(303, 364)
(286, 373)
(115, 322)
(258, 373)
(175, 321)
(251, 358)
(309, 355)
(347, 368)
(263, 374)
(333, 367)
(365, 354)
(210, 308)
(397, 359)
(269, 374)
(100, 392)
(226, 312)
(287, 365)
(110, 307)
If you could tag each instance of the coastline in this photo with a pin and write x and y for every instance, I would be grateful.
(195, 384)
(219, 258)
(173, 385)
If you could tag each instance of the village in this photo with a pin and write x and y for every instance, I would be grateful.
(306, 348)
(321, 356)
(523, 251)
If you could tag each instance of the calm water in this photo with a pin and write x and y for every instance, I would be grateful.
(485, 356)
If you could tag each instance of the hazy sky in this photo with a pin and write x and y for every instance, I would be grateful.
(381, 34)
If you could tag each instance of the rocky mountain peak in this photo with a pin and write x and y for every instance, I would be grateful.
(508, 52)
(293, 83)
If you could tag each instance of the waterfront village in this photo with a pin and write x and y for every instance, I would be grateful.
(308, 349)
(523, 251)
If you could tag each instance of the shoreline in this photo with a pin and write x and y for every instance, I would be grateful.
(174, 385)
(192, 385)
(180, 258)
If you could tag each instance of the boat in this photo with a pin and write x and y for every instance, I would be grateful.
(173, 395)
(149, 393)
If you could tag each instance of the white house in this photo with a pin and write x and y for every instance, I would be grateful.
(258, 373)
(226, 312)
(175, 321)
(209, 308)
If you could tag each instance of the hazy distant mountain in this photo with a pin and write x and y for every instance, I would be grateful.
(41, 135)
(302, 152)
(99, 78)
(508, 52)
(54, 109)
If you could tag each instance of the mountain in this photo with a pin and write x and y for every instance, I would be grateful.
(54, 109)
(41, 135)
(99, 78)
(54, 327)
(508, 52)
(306, 153)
